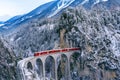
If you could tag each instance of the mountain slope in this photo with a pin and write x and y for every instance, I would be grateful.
(110, 4)
(40, 11)
(1, 22)
(53, 8)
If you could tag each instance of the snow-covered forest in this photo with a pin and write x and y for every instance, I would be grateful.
(95, 31)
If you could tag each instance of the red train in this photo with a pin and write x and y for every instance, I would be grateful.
(55, 51)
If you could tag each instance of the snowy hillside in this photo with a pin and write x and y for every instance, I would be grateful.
(96, 31)
(51, 9)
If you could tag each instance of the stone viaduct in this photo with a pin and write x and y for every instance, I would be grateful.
(44, 65)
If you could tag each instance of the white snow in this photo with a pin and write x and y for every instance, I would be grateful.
(85, 1)
(104, 0)
(49, 27)
(97, 1)
(1, 25)
(30, 16)
(22, 19)
(5, 27)
(114, 40)
(12, 39)
(61, 5)
(65, 3)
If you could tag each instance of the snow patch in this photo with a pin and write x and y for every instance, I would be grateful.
(12, 39)
(1, 25)
(5, 27)
(61, 5)
(85, 1)
(51, 26)
(104, 0)
(97, 1)
(22, 19)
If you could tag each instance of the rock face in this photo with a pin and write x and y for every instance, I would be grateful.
(96, 32)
